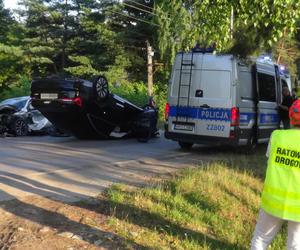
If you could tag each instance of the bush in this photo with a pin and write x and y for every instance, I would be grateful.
(19, 89)
(133, 92)
(137, 94)
(160, 97)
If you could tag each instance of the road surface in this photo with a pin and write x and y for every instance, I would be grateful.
(68, 169)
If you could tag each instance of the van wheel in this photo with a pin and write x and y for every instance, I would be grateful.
(185, 145)
(251, 145)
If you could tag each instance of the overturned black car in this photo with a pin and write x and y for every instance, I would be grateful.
(89, 111)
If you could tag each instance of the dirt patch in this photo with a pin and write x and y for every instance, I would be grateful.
(40, 223)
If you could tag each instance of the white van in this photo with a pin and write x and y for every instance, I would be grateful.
(218, 99)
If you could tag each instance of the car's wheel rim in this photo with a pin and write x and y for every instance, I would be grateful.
(20, 128)
(102, 87)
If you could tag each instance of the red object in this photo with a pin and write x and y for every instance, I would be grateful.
(77, 101)
(235, 116)
(167, 110)
(294, 113)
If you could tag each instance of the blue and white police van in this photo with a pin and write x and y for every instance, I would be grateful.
(219, 99)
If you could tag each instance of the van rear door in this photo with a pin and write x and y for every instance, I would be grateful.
(204, 107)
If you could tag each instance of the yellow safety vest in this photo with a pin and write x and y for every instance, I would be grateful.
(281, 193)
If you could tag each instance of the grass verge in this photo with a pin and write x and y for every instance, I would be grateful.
(210, 207)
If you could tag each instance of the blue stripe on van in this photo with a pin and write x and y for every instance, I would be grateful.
(263, 118)
(269, 118)
(213, 114)
(246, 117)
(219, 114)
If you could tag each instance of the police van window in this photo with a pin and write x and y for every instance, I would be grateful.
(266, 87)
(246, 84)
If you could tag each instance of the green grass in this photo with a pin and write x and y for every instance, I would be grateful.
(210, 207)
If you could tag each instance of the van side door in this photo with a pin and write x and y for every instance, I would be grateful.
(267, 98)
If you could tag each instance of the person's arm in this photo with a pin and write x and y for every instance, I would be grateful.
(283, 107)
(287, 103)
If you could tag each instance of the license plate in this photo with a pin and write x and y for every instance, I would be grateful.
(187, 127)
(49, 96)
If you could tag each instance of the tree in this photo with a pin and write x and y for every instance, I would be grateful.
(96, 48)
(131, 21)
(41, 40)
(12, 64)
(5, 21)
(257, 24)
(286, 52)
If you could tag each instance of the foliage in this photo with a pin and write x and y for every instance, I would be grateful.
(12, 65)
(160, 97)
(22, 88)
(261, 23)
(130, 20)
(86, 38)
(137, 94)
(5, 20)
(287, 51)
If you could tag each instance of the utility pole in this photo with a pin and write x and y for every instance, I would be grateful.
(231, 22)
(150, 54)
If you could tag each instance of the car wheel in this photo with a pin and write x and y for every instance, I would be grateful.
(19, 127)
(185, 145)
(101, 87)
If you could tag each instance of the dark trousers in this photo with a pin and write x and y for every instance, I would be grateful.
(286, 124)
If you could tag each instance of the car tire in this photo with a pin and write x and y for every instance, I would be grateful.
(185, 145)
(101, 89)
(19, 127)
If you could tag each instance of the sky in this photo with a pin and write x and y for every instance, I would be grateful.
(12, 4)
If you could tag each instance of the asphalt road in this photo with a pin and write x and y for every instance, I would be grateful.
(68, 169)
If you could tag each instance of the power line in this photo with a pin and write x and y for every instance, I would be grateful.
(135, 18)
(137, 8)
(142, 5)
(134, 32)
(146, 11)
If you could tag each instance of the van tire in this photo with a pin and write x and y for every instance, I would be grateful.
(185, 145)
(251, 144)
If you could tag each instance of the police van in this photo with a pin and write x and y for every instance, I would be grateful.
(219, 99)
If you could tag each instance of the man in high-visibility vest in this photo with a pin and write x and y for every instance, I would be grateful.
(281, 193)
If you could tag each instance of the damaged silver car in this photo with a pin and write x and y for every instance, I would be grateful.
(19, 118)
